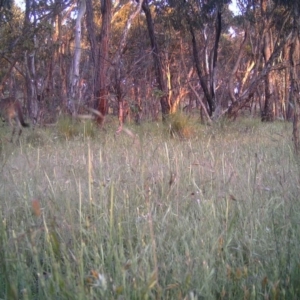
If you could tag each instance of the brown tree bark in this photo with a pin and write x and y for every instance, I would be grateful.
(90, 25)
(165, 106)
(117, 65)
(287, 107)
(103, 59)
(31, 83)
(209, 90)
(214, 59)
(74, 94)
(267, 113)
(294, 76)
(200, 73)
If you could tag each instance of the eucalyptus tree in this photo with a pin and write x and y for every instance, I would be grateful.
(295, 94)
(103, 59)
(293, 6)
(108, 65)
(43, 65)
(165, 105)
(203, 20)
(11, 26)
(58, 59)
(32, 47)
(75, 66)
(30, 25)
(267, 33)
(267, 46)
(100, 53)
(294, 58)
(117, 63)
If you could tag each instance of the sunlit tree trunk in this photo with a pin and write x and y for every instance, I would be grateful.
(236, 67)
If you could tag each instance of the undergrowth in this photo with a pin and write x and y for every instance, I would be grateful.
(141, 215)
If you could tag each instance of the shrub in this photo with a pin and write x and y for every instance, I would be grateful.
(181, 125)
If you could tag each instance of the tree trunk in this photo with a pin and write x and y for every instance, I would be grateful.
(203, 84)
(165, 106)
(90, 25)
(117, 65)
(287, 108)
(214, 59)
(103, 60)
(267, 113)
(235, 68)
(294, 76)
(247, 94)
(74, 72)
(31, 84)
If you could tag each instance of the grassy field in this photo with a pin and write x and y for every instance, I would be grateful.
(216, 216)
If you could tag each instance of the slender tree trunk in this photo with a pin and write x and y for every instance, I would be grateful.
(74, 72)
(93, 42)
(214, 59)
(235, 68)
(267, 113)
(103, 59)
(54, 90)
(200, 74)
(287, 111)
(165, 106)
(59, 61)
(117, 65)
(31, 84)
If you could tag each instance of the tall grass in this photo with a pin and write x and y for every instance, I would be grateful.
(152, 217)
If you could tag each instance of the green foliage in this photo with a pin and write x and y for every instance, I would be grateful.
(181, 125)
(157, 93)
(138, 216)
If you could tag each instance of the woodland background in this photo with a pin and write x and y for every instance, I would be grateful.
(150, 58)
(86, 215)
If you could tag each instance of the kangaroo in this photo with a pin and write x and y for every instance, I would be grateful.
(11, 111)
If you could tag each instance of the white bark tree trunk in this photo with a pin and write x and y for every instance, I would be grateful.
(75, 68)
